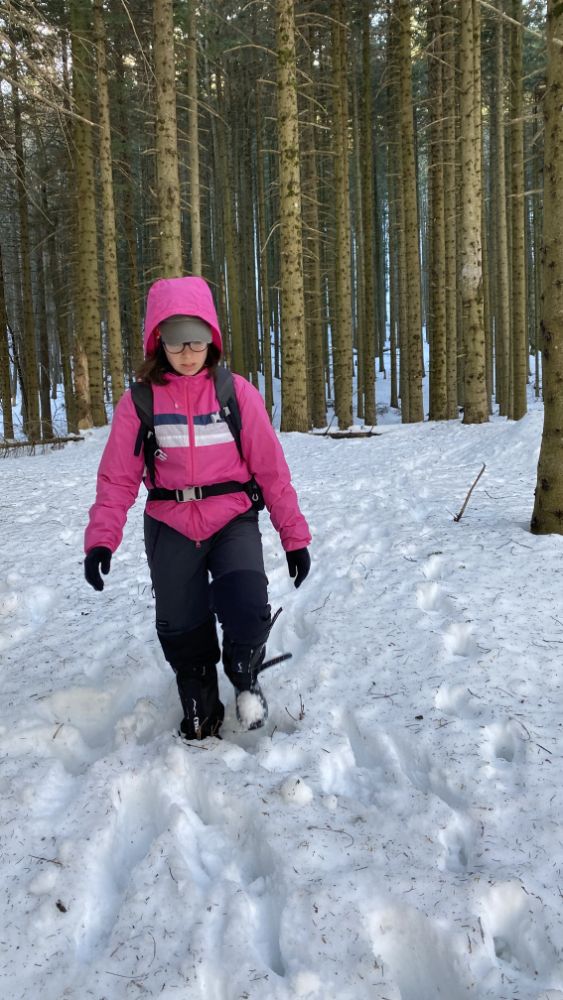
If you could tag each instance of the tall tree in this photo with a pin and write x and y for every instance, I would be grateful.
(115, 351)
(5, 379)
(500, 221)
(547, 516)
(450, 22)
(89, 381)
(29, 354)
(167, 141)
(437, 275)
(370, 317)
(294, 374)
(476, 406)
(193, 141)
(342, 333)
(409, 199)
(518, 403)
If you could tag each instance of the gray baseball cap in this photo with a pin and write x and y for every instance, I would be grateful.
(178, 330)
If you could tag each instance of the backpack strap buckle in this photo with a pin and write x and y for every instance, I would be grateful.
(189, 493)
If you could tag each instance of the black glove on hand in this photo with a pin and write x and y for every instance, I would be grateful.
(299, 564)
(98, 557)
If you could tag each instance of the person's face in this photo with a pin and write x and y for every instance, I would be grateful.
(187, 359)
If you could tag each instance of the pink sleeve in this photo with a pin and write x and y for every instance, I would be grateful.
(265, 459)
(119, 476)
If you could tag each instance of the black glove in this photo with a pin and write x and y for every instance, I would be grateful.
(299, 564)
(98, 557)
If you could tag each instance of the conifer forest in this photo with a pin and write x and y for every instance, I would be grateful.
(372, 188)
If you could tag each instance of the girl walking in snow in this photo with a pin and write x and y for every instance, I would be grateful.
(202, 540)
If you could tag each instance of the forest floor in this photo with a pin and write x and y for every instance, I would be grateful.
(394, 833)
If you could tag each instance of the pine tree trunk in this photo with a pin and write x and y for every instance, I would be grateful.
(247, 246)
(450, 209)
(342, 331)
(222, 144)
(43, 355)
(30, 387)
(503, 312)
(476, 407)
(89, 386)
(113, 315)
(369, 319)
(409, 191)
(127, 210)
(537, 181)
(193, 141)
(519, 318)
(168, 178)
(294, 374)
(312, 255)
(264, 269)
(548, 507)
(437, 282)
(5, 379)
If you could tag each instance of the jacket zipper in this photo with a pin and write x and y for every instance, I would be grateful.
(191, 434)
(191, 449)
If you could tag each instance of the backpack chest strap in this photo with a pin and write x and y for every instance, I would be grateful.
(202, 492)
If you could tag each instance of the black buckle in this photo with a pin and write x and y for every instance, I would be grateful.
(189, 493)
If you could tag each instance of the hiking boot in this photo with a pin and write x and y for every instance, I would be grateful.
(199, 694)
(252, 707)
(242, 666)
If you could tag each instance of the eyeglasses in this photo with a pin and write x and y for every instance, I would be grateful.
(198, 346)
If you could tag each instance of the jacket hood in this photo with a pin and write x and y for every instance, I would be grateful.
(176, 297)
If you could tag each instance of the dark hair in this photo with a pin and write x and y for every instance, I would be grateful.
(156, 366)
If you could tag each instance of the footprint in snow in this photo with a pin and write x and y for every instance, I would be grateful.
(419, 954)
(503, 743)
(417, 766)
(458, 841)
(457, 700)
(431, 598)
(458, 639)
(519, 927)
(435, 567)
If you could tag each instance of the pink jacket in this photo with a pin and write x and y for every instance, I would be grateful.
(196, 447)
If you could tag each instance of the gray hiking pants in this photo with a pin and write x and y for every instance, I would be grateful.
(223, 576)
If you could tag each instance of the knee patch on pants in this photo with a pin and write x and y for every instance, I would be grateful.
(188, 651)
(241, 602)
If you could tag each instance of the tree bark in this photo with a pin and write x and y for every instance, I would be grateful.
(437, 250)
(409, 191)
(168, 187)
(476, 407)
(193, 142)
(503, 311)
(294, 375)
(29, 358)
(89, 386)
(342, 331)
(5, 379)
(264, 268)
(450, 22)
(113, 314)
(370, 318)
(518, 401)
(312, 249)
(547, 516)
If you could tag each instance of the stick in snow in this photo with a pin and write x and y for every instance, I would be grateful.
(458, 517)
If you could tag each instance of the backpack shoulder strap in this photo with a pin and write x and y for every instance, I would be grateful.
(227, 399)
(141, 394)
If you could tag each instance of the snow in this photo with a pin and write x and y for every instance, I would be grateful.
(394, 831)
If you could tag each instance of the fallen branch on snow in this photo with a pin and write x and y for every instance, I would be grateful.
(458, 517)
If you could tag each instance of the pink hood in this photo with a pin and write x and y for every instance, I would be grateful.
(179, 297)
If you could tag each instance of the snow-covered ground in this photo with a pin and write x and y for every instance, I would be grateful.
(394, 832)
